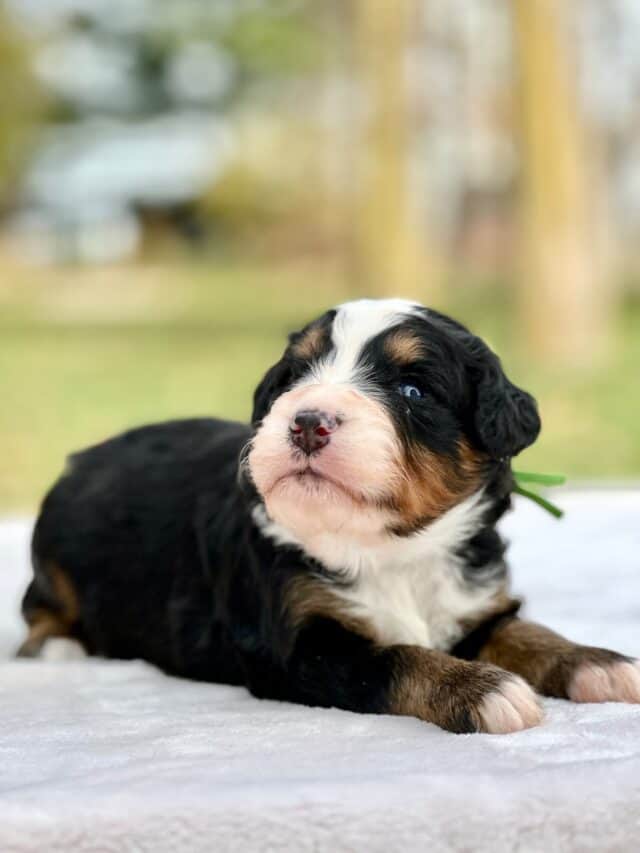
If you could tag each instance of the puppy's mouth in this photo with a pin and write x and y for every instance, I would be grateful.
(311, 479)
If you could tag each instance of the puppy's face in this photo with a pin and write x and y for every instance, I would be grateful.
(380, 416)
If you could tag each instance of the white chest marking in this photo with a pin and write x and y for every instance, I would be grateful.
(410, 590)
(420, 604)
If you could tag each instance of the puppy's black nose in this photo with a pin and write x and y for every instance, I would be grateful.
(310, 430)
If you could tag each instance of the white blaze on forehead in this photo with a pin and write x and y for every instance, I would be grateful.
(354, 325)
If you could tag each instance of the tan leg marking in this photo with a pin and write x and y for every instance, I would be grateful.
(58, 621)
(558, 667)
(461, 696)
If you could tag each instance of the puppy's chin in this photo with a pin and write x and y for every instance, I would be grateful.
(310, 506)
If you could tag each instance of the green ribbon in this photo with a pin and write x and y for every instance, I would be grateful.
(521, 477)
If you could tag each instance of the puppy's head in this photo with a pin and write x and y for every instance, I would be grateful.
(380, 416)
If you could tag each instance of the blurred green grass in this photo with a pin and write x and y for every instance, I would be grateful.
(84, 354)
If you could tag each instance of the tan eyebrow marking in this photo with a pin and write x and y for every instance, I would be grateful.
(311, 343)
(404, 347)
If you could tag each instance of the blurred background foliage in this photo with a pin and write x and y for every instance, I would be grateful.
(184, 181)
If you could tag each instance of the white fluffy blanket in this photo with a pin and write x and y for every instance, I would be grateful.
(106, 756)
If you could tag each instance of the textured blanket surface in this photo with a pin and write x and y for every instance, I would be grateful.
(109, 756)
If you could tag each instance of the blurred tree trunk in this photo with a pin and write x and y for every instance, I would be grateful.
(21, 107)
(390, 249)
(564, 306)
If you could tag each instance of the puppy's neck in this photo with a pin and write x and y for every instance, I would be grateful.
(351, 558)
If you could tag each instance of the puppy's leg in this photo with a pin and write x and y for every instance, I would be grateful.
(50, 609)
(557, 667)
(332, 666)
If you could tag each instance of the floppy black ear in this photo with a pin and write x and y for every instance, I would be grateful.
(273, 383)
(506, 417)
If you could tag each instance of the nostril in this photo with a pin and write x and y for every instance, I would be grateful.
(322, 431)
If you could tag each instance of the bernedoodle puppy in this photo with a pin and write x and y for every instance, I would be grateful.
(340, 551)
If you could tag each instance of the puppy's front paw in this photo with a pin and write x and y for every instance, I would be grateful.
(513, 706)
(461, 696)
(485, 698)
(599, 680)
